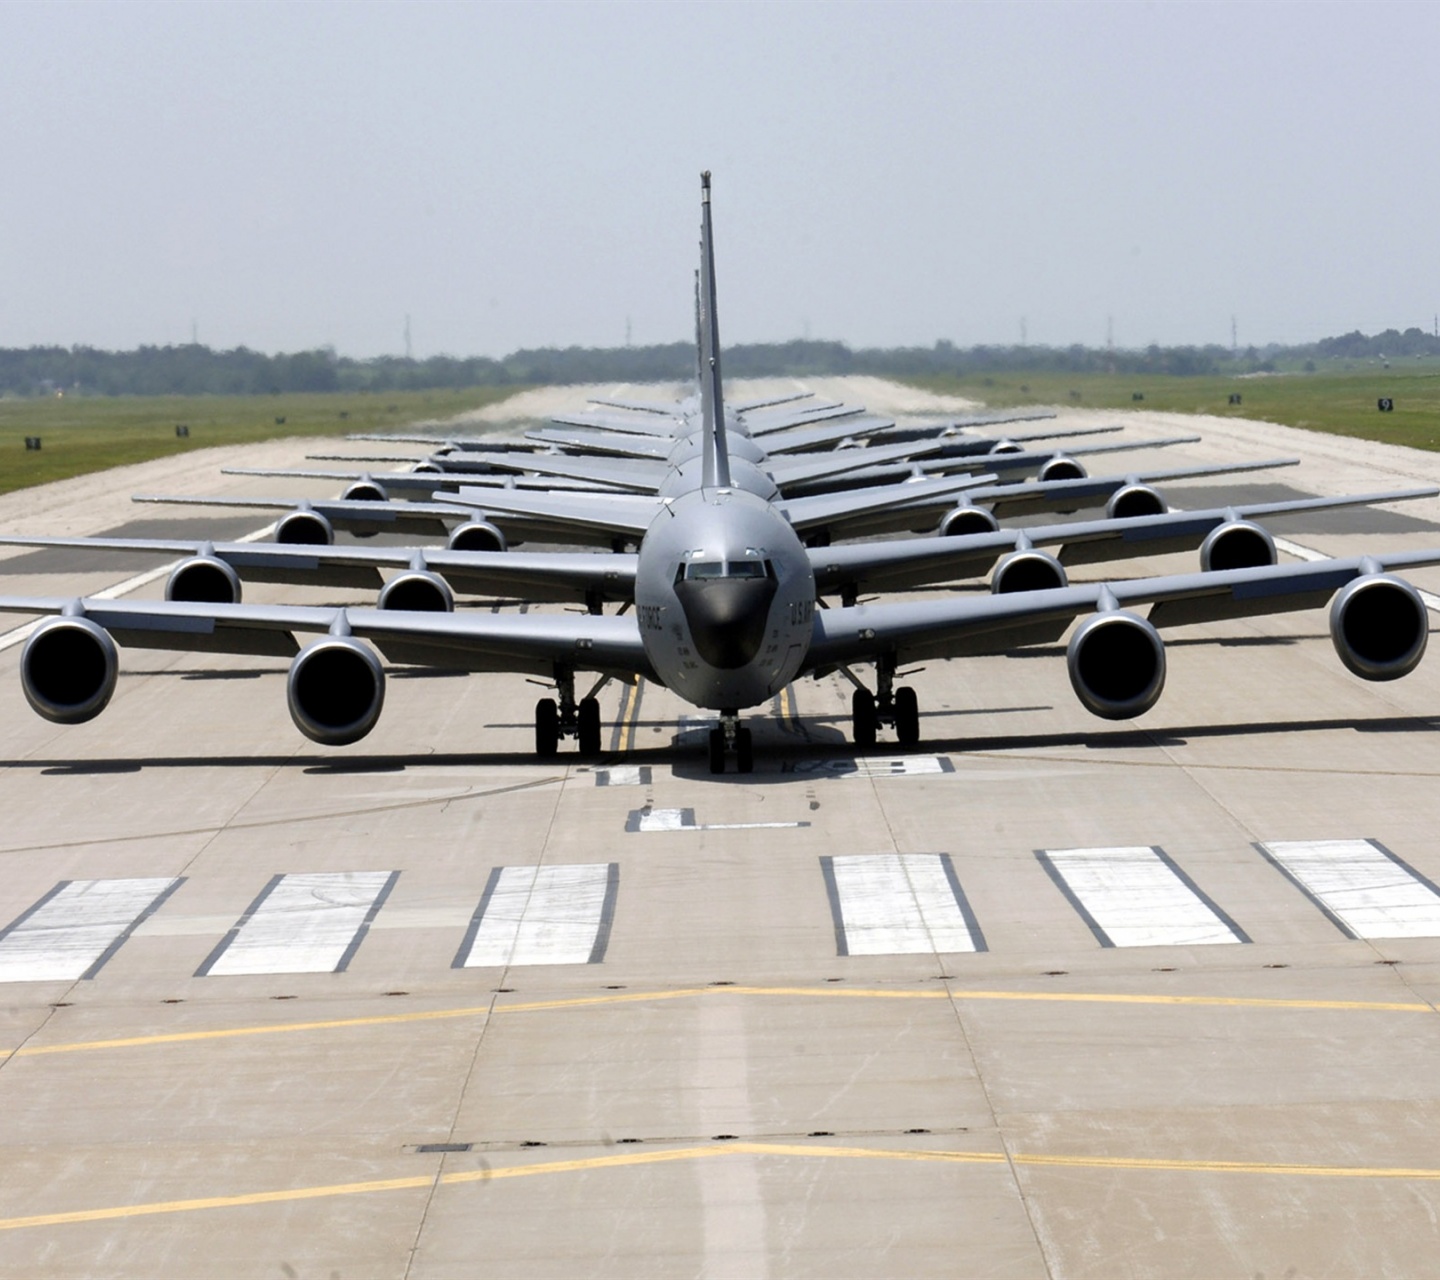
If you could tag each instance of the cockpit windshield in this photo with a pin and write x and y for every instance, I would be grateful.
(711, 569)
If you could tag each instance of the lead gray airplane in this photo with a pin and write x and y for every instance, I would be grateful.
(725, 616)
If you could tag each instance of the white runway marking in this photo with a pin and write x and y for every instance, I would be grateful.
(1134, 896)
(76, 927)
(1361, 886)
(542, 915)
(624, 775)
(684, 820)
(311, 923)
(873, 767)
(887, 904)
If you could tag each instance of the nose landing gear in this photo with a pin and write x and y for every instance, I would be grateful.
(730, 736)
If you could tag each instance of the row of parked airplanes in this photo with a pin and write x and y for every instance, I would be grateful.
(718, 531)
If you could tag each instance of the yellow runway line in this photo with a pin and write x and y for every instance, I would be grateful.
(634, 1159)
(685, 993)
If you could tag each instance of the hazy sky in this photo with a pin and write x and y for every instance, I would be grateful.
(290, 175)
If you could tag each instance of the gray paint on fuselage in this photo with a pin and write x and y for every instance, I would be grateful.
(723, 525)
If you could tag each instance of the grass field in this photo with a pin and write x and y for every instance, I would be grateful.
(1342, 402)
(79, 434)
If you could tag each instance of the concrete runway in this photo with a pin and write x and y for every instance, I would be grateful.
(1045, 996)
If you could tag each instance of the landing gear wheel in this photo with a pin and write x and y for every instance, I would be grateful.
(589, 726)
(744, 751)
(547, 728)
(907, 716)
(864, 722)
(717, 751)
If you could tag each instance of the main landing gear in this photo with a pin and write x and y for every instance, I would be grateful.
(567, 719)
(731, 735)
(886, 706)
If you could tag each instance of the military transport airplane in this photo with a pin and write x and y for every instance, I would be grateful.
(725, 616)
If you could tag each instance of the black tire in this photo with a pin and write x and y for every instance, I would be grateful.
(744, 751)
(717, 751)
(589, 726)
(547, 729)
(907, 716)
(863, 721)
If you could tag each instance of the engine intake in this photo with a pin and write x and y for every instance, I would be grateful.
(203, 580)
(1061, 467)
(1379, 626)
(1117, 665)
(1238, 544)
(336, 690)
(1006, 446)
(426, 469)
(418, 591)
(963, 520)
(1027, 571)
(304, 529)
(366, 490)
(478, 535)
(1133, 500)
(68, 670)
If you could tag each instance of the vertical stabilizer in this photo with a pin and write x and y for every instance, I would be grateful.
(716, 472)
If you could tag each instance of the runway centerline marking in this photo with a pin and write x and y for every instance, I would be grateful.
(729, 1150)
(690, 993)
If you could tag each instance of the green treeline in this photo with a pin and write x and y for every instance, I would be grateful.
(193, 369)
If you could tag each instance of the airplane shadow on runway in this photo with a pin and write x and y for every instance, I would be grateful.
(825, 742)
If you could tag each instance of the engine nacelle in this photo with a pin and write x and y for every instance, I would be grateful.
(427, 469)
(1237, 544)
(68, 670)
(1027, 571)
(418, 591)
(1006, 446)
(203, 580)
(366, 490)
(336, 690)
(304, 529)
(1380, 627)
(1117, 665)
(963, 520)
(1133, 500)
(478, 535)
(1061, 467)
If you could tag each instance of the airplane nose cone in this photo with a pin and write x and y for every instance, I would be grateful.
(727, 617)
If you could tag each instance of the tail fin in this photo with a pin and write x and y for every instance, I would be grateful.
(716, 472)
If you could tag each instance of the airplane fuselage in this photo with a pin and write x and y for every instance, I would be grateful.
(725, 598)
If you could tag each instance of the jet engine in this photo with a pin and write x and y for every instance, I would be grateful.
(336, 689)
(1027, 571)
(1006, 446)
(304, 528)
(1237, 544)
(1061, 467)
(203, 580)
(1379, 626)
(418, 591)
(1133, 500)
(963, 520)
(478, 535)
(427, 469)
(1117, 665)
(68, 670)
(366, 490)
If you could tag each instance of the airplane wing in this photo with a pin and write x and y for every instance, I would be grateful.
(414, 519)
(620, 444)
(905, 563)
(522, 575)
(968, 626)
(641, 475)
(530, 643)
